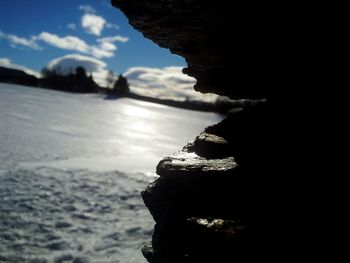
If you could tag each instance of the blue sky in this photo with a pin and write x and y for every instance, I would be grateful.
(93, 34)
(27, 19)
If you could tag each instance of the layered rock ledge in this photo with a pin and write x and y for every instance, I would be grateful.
(205, 203)
(197, 204)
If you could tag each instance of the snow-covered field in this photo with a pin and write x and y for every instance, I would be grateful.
(71, 170)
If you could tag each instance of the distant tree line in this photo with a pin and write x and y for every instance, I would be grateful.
(76, 81)
(9, 75)
(119, 85)
(79, 81)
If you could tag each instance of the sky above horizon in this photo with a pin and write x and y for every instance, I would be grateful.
(93, 34)
(42, 29)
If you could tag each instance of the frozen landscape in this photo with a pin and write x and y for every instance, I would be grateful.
(71, 170)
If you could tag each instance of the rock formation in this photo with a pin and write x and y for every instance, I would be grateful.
(231, 48)
(214, 200)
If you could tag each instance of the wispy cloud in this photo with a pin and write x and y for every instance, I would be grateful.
(164, 83)
(107, 46)
(71, 61)
(20, 41)
(116, 38)
(72, 26)
(75, 44)
(114, 26)
(100, 52)
(93, 24)
(5, 62)
(87, 9)
(67, 42)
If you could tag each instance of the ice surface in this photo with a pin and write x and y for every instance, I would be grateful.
(72, 167)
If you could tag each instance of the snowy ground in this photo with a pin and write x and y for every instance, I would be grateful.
(72, 167)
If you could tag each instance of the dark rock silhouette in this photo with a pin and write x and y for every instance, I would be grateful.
(216, 200)
(224, 45)
(204, 183)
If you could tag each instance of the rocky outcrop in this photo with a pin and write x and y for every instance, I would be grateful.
(225, 44)
(214, 200)
(207, 202)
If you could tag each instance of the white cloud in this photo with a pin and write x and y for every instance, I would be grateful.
(67, 42)
(108, 46)
(68, 63)
(72, 26)
(164, 83)
(114, 26)
(5, 62)
(76, 44)
(93, 24)
(116, 38)
(21, 41)
(75, 60)
(106, 43)
(98, 52)
(87, 9)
